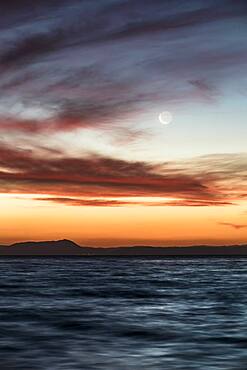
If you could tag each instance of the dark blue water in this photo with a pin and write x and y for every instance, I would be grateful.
(120, 313)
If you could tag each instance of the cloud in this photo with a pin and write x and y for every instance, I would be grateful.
(24, 5)
(64, 178)
(95, 65)
(232, 225)
(24, 170)
(87, 66)
(86, 202)
(92, 202)
(29, 48)
(185, 18)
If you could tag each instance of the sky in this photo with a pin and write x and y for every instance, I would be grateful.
(83, 154)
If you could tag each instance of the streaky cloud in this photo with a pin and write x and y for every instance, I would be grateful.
(204, 181)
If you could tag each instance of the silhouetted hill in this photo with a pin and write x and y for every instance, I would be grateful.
(46, 248)
(69, 248)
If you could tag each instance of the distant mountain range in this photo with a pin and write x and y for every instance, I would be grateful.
(69, 248)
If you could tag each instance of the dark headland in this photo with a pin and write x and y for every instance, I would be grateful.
(69, 248)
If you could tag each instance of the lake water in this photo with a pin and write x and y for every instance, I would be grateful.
(123, 313)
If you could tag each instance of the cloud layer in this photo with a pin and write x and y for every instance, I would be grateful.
(96, 180)
(90, 63)
(93, 65)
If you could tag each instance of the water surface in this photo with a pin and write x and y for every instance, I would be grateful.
(123, 313)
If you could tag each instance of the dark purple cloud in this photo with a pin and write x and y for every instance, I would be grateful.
(95, 62)
(30, 47)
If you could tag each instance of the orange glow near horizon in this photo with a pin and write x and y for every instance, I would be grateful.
(23, 218)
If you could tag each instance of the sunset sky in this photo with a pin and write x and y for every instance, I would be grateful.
(83, 155)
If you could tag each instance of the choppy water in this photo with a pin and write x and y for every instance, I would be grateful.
(120, 313)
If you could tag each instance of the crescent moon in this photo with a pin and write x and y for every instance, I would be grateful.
(165, 117)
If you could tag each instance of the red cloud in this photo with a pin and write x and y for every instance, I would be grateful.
(104, 202)
(65, 178)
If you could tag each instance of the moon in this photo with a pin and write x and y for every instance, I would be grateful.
(165, 117)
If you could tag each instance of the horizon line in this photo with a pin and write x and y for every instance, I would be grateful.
(125, 246)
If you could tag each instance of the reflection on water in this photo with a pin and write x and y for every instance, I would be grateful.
(120, 313)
